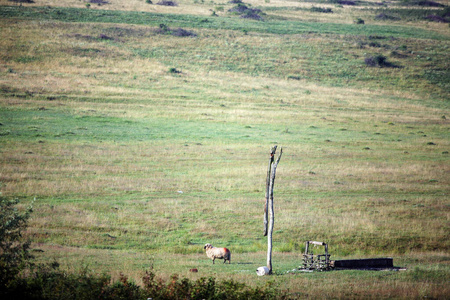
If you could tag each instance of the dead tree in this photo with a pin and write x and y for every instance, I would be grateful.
(268, 208)
(271, 159)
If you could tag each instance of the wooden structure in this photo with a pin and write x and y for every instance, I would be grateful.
(320, 262)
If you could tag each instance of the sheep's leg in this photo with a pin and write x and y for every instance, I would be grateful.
(214, 259)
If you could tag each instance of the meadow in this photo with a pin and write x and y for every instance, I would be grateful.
(140, 142)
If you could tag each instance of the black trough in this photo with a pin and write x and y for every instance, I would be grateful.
(368, 263)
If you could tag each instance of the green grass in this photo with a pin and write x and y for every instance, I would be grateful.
(192, 21)
(423, 64)
(134, 165)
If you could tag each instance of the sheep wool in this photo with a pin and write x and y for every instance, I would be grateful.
(221, 253)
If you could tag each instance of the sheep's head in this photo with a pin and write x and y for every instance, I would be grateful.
(207, 246)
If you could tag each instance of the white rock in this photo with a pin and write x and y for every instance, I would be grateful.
(261, 271)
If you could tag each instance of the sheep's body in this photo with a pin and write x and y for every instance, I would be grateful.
(222, 253)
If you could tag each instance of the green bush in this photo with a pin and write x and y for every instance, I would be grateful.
(47, 282)
(205, 288)
(50, 283)
(14, 252)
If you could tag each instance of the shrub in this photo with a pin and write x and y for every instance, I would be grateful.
(375, 61)
(436, 18)
(14, 252)
(167, 3)
(174, 71)
(98, 2)
(379, 61)
(247, 13)
(321, 9)
(252, 14)
(344, 2)
(240, 8)
(122, 289)
(204, 288)
(52, 284)
(47, 282)
(428, 3)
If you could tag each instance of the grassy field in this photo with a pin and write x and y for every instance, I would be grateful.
(141, 142)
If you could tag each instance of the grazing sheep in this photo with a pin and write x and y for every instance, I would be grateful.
(213, 253)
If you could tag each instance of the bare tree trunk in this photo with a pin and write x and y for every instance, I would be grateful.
(273, 169)
(272, 153)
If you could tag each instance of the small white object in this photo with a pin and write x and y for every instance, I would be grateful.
(261, 271)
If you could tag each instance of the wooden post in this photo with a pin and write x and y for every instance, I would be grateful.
(272, 153)
(269, 206)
